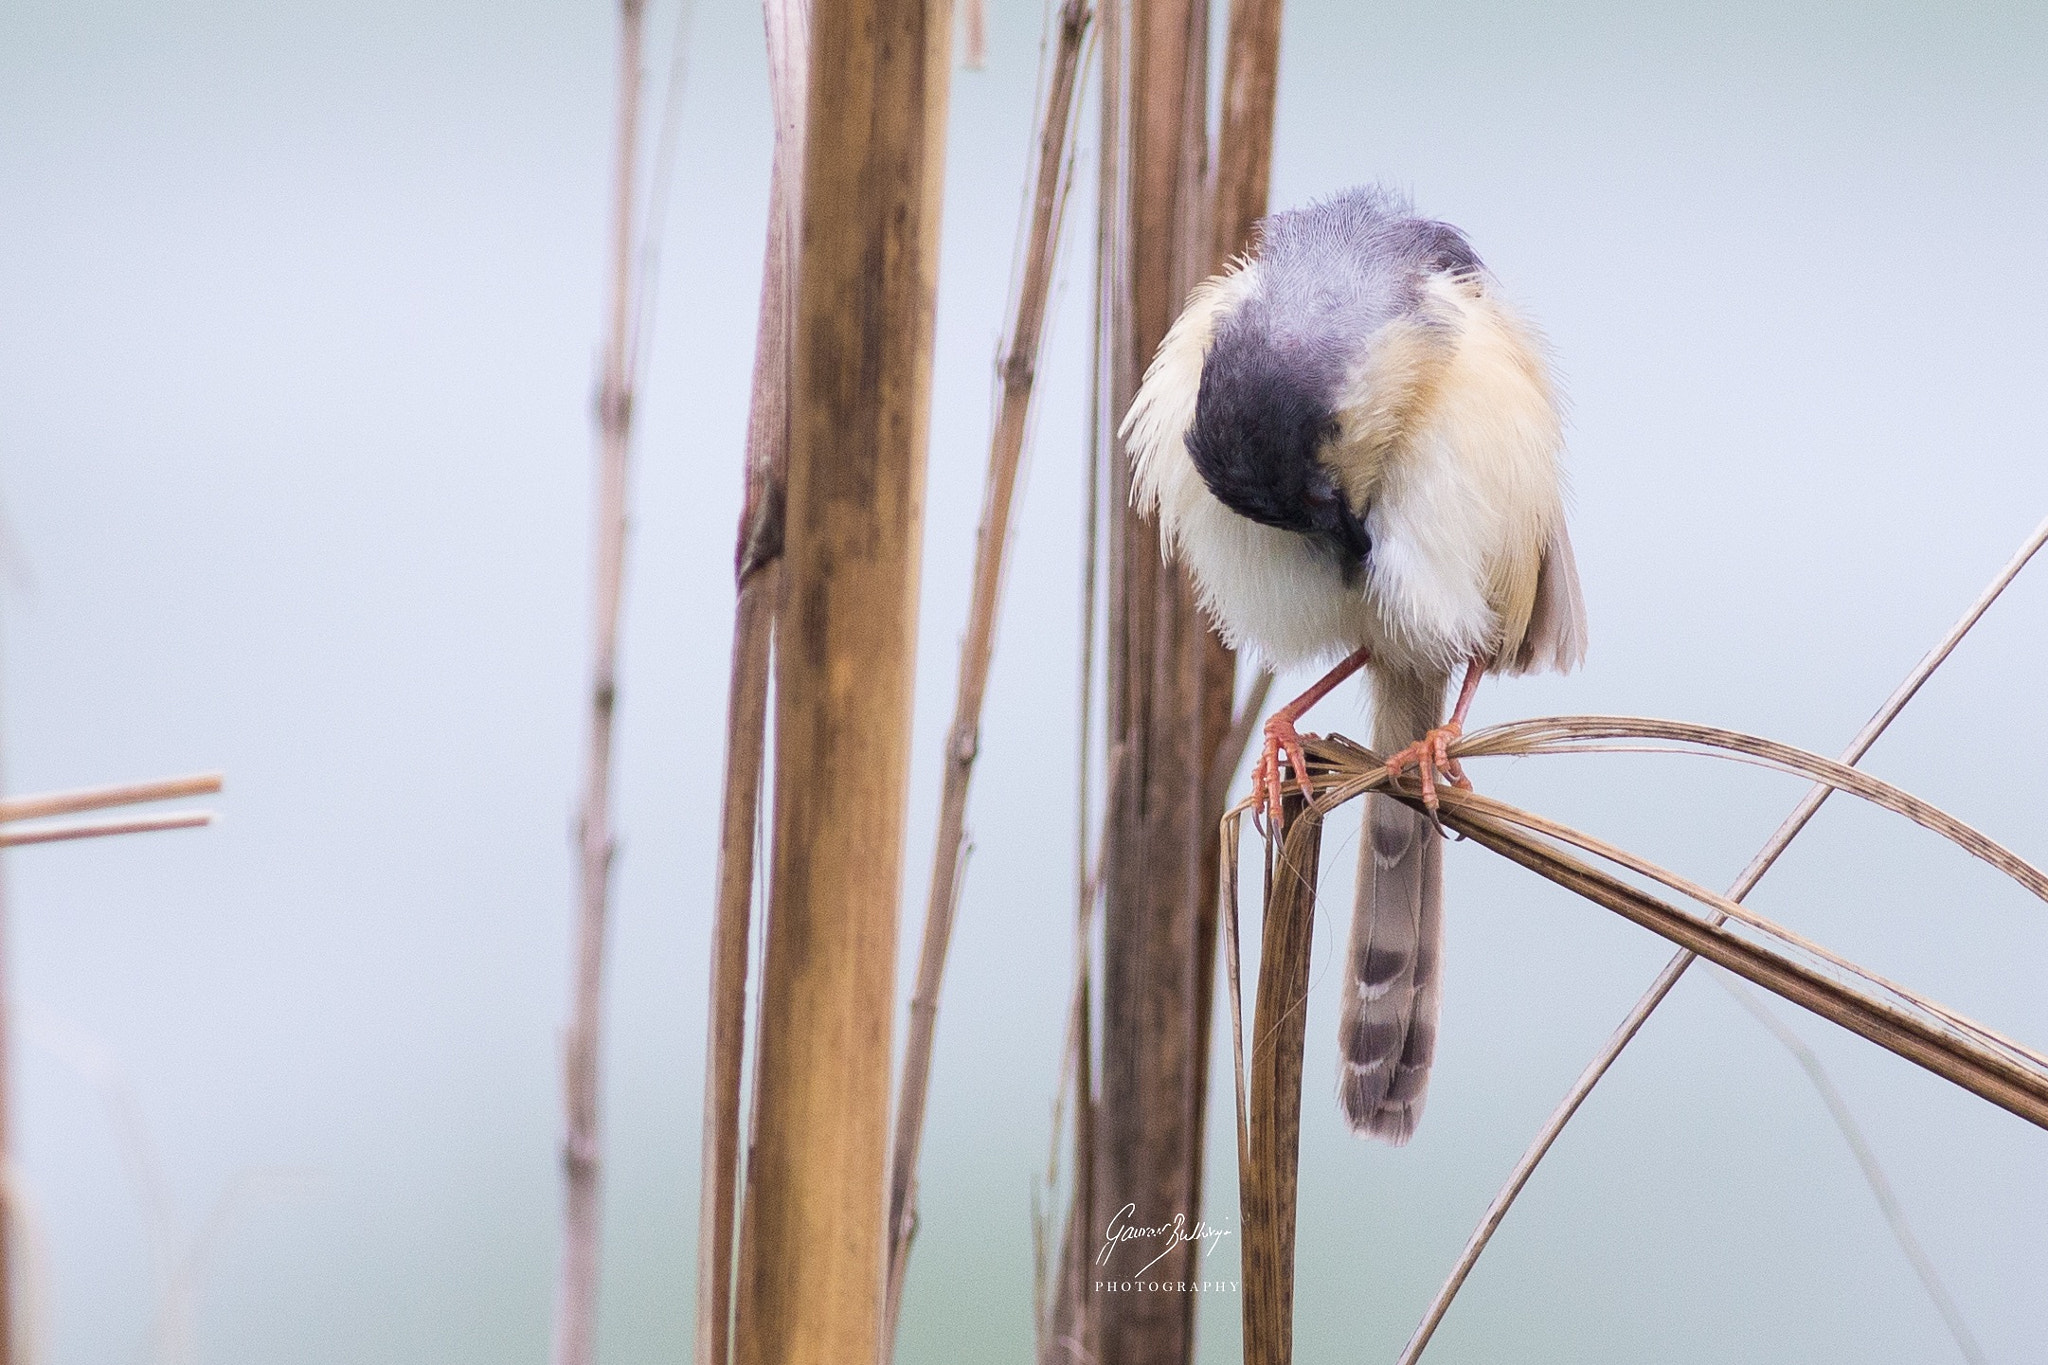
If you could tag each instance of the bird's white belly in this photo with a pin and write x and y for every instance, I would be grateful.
(1421, 601)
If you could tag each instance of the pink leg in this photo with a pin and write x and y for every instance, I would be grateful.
(1474, 671)
(1431, 755)
(1281, 736)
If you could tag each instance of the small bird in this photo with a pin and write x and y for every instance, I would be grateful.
(1354, 445)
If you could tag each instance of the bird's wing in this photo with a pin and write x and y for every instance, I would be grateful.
(1556, 638)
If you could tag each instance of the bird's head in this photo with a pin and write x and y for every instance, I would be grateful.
(1263, 416)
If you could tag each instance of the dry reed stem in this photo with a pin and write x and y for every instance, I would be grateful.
(975, 23)
(1582, 734)
(1061, 1325)
(1271, 1115)
(813, 1241)
(141, 824)
(1164, 223)
(726, 998)
(1233, 964)
(1985, 1071)
(101, 798)
(757, 571)
(1018, 371)
(1786, 832)
(660, 179)
(576, 1302)
(1233, 201)
(25, 1296)
(1244, 141)
(1071, 1333)
(1350, 770)
(1726, 909)
(1168, 702)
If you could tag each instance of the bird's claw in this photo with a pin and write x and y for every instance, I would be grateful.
(1281, 739)
(1430, 756)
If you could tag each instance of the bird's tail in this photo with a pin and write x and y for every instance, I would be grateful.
(1387, 1034)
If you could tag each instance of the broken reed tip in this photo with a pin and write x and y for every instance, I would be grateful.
(145, 824)
(102, 798)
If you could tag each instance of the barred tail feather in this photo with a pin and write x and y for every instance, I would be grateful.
(1387, 1033)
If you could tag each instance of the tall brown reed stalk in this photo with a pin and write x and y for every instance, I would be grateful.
(576, 1298)
(1244, 137)
(1018, 371)
(1270, 1118)
(811, 1241)
(1066, 1326)
(1169, 695)
(757, 565)
(1171, 732)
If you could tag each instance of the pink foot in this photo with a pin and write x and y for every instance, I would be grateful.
(1281, 737)
(1430, 756)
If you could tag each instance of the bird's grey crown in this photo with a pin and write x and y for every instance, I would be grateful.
(1329, 278)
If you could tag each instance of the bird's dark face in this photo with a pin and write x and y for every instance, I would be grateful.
(1261, 418)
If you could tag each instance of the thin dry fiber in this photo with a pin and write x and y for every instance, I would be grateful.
(17, 808)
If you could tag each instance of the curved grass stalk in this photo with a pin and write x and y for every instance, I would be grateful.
(1561, 735)
(1352, 766)
(1668, 977)
(1883, 1012)
(1926, 1039)
(1358, 770)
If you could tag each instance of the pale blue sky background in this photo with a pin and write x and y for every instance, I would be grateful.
(298, 312)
